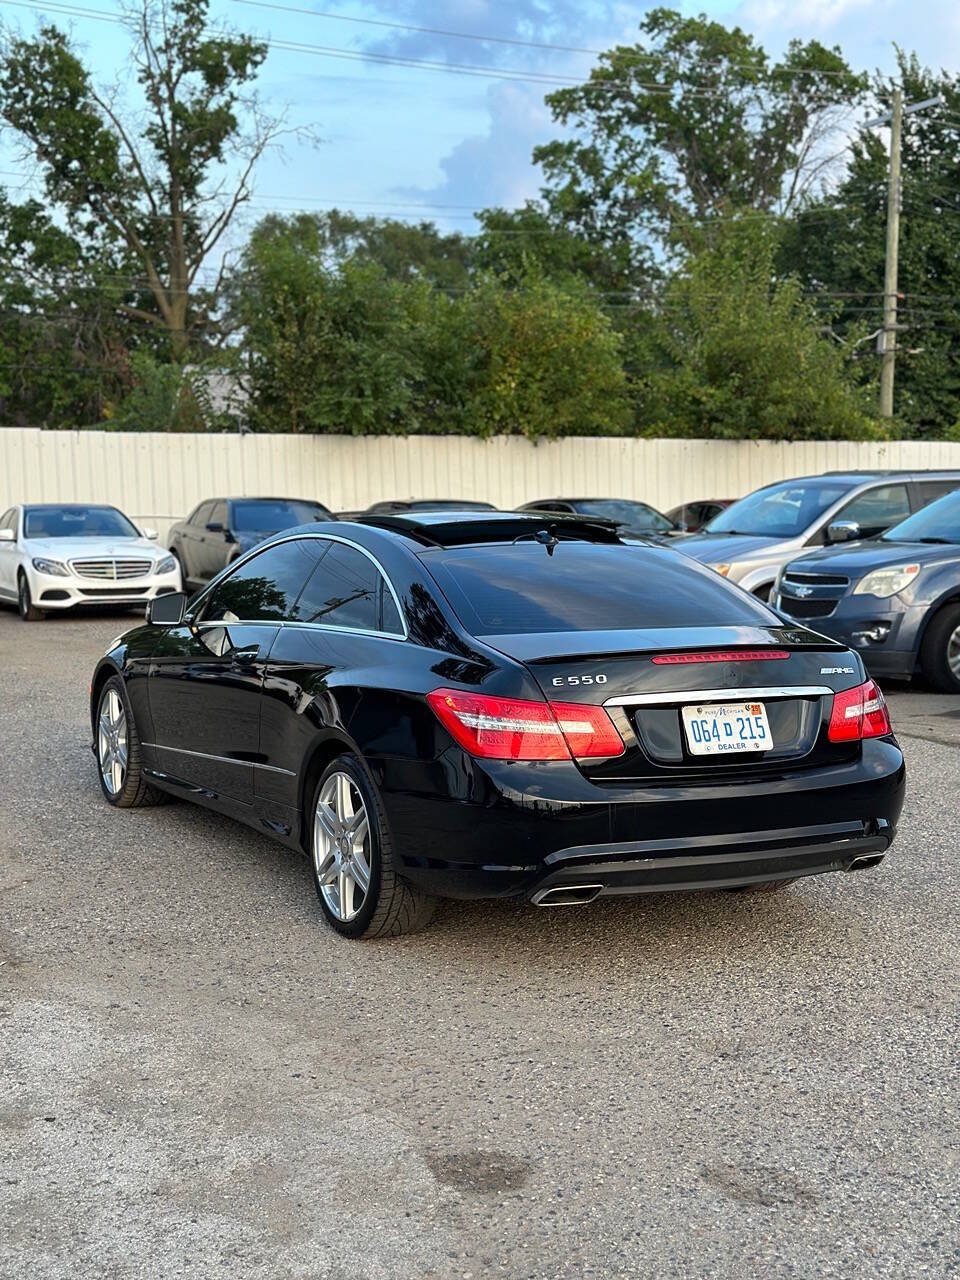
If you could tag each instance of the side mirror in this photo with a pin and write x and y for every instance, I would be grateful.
(151, 534)
(214, 526)
(167, 610)
(7, 535)
(843, 531)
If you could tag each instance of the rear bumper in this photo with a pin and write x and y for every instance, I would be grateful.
(749, 858)
(508, 833)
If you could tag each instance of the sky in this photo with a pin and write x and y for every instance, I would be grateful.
(440, 141)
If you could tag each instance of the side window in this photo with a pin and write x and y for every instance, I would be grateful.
(218, 513)
(347, 590)
(201, 515)
(929, 490)
(267, 587)
(879, 508)
(7, 521)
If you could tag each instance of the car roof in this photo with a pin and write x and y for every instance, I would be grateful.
(67, 506)
(463, 528)
(640, 501)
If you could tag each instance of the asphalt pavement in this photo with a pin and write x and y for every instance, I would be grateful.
(198, 1079)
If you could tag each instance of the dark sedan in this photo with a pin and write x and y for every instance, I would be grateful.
(220, 530)
(485, 705)
(896, 598)
(632, 517)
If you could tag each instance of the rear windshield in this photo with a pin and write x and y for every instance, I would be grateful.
(520, 590)
(268, 516)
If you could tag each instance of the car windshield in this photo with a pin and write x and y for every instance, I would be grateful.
(940, 522)
(77, 522)
(521, 590)
(633, 515)
(781, 510)
(267, 515)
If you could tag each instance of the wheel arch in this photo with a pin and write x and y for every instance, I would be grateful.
(321, 753)
(950, 596)
(105, 669)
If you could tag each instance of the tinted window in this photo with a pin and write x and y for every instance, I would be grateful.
(347, 590)
(939, 522)
(266, 587)
(878, 508)
(930, 490)
(633, 515)
(270, 515)
(218, 514)
(77, 522)
(202, 514)
(583, 587)
(781, 510)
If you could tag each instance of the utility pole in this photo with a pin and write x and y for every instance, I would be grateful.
(892, 259)
(894, 119)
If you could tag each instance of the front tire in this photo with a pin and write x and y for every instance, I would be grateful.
(28, 610)
(354, 870)
(118, 752)
(940, 651)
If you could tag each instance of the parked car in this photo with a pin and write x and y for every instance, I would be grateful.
(632, 517)
(753, 539)
(896, 598)
(692, 516)
(220, 530)
(55, 556)
(395, 506)
(467, 705)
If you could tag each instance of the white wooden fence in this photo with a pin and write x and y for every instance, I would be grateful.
(157, 478)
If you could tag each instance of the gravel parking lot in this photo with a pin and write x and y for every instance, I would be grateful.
(200, 1080)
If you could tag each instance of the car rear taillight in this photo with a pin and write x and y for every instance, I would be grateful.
(518, 729)
(859, 713)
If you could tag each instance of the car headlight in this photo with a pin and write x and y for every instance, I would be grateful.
(887, 582)
(722, 569)
(54, 567)
(166, 565)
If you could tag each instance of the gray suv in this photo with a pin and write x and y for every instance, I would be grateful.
(753, 539)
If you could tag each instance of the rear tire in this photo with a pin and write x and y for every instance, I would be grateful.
(940, 651)
(118, 752)
(28, 610)
(351, 854)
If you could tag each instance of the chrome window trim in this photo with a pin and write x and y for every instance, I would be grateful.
(719, 695)
(204, 755)
(324, 626)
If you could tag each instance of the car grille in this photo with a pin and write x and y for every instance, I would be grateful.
(825, 591)
(817, 579)
(111, 570)
(807, 608)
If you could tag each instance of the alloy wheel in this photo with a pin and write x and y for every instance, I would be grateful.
(112, 742)
(341, 846)
(953, 653)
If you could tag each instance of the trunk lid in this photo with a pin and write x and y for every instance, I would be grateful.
(646, 678)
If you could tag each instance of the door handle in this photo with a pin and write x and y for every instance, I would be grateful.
(249, 653)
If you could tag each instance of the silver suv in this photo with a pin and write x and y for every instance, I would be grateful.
(752, 540)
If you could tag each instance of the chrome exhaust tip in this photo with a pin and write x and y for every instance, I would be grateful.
(566, 895)
(866, 860)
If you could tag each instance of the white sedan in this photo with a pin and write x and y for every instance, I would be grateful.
(59, 555)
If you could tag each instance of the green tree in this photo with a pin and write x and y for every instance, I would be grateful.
(837, 246)
(151, 182)
(511, 242)
(736, 352)
(693, 121)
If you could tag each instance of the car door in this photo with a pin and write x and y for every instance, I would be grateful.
(876, 510)
(205, 679)
(346, 614)
(9, 558)
(189, 544)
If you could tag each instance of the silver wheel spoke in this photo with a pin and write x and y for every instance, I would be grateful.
(112, 747)
(341, 833)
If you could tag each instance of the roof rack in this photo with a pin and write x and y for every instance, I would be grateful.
(457, 529)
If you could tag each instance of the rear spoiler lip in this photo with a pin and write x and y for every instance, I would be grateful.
(538, 649)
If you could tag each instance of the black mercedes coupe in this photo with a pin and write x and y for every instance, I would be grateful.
(487, 704)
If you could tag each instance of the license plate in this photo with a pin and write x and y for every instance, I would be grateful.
(727, 728)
